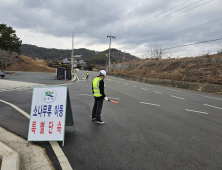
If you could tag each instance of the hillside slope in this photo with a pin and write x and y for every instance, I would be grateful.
(31, 65)
(94, 57)
(204, 69)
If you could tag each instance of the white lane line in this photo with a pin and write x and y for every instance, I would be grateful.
(119, 82)
(173, 90)
(177, 97)
(195, 111)
(212, 106)
(107, 81)
(157, 92)
(85, 95)
(134, 82)
(149, 104)
(126, 84)
(114, 80)
(212, 98)
(55, 146)
(85, 86)
(15, 107)
(143, 89)
(149, 85)
(133, 86)
(82, 80)
(114, 98)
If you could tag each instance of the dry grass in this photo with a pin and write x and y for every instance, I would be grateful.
(202, 69)
(30, 64)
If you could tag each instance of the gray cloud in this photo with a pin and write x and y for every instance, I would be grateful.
(93, 20)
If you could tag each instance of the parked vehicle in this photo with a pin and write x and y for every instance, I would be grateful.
(2, 74)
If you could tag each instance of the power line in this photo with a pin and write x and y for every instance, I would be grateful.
(193, 44)
(183, 29)
(202, 42)
(153, 17)
(144, 17)
(163, 18)
(152, 23)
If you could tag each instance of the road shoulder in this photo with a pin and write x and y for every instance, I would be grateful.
(32, 157)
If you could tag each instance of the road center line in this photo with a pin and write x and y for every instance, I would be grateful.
(114, 98)
(173, 90)
(195, 111)
(143, 89)
(85, 95)
(55, 146)
(149, 104)
(212, 106)
(157, 92)
(212, 98)
(177, 97)
(149, 85)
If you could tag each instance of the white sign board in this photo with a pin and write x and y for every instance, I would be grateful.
(48, 114)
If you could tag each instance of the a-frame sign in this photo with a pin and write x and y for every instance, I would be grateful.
(51, 111)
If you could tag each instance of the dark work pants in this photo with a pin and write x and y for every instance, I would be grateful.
(97, 109)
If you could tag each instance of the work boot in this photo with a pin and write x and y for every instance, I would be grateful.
(99, 122)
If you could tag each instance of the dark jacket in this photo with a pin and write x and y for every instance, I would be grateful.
(102, 90)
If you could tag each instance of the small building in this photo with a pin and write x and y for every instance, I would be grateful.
(78, 59)
(65, 61)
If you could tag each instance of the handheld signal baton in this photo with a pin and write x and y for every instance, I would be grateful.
(113, 101)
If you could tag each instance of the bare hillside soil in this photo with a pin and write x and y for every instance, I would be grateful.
(203, 69)
(31, 65)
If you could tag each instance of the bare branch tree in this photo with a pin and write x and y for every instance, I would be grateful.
(156, 53)
(6, 58)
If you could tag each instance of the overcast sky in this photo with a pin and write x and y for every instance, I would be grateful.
(138, 25)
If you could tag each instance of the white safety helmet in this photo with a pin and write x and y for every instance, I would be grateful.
(102, 73)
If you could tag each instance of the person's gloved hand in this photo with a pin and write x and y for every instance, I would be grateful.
(106, 99)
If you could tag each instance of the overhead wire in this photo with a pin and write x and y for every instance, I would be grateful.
(181, 30)
(154, 22)
(143, 17)
(152, 17)
(168, 48)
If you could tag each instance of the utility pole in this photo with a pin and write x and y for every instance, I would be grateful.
(72, 54)
(109, 48)
(124, 56)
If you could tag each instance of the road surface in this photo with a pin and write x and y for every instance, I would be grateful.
(153, 127)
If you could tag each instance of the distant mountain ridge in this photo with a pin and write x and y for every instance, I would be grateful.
(91, 56)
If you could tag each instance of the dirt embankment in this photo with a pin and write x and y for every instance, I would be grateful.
(204, 69)
(31, 65)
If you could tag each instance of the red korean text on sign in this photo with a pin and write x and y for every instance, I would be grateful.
(50, 127)
(59, 127)
(42, 126)
(34, 126)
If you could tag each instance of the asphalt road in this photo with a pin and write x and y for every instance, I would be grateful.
(153, 127)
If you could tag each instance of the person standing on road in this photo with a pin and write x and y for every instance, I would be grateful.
(87, 75)
(98, 88)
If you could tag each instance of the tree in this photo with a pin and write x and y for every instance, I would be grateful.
(8, 39)
(6, 58)
(90, 67)
(79, 66)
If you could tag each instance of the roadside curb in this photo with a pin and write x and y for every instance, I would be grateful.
(10, 158)
(32, 157)
(202, 87)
